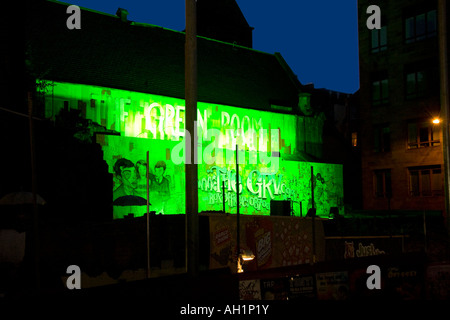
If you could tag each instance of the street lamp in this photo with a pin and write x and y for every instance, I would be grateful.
(246, 255)
(436, 121)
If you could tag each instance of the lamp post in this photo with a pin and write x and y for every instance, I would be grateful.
(192, 222)
(238, 229)
(444, 97)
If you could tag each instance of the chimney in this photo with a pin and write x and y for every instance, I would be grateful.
(122, 14)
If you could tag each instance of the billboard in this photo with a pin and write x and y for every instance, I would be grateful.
(155, 124)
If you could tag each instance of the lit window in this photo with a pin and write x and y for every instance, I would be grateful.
(423, 134)
(355, 139)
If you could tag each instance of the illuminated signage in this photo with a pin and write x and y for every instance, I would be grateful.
(155, 124)
(143, 115)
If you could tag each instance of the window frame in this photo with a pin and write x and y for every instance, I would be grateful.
(383, 98)
(384, 145)
(378, 35)
(386, 183)
(430, 31)
(431, 140)
(420, 172)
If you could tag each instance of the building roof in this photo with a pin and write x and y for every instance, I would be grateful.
(146, 58)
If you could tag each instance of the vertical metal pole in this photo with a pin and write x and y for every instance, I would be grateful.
(313, 218)
(192, 229)
(443, 60)
(223, 196)
(33, 190)
(238, 229)
(425, 230)
(148, 216)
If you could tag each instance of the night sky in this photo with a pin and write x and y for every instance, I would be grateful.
(318, 39)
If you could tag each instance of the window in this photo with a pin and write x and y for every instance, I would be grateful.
(380, 93)
(382, 139)
(421, 79)
(382, 183)
(420, 26)
(354, 139)
(379, 39)
(415, 85)
(423, 134)
(425, 181)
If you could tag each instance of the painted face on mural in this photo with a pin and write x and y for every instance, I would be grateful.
(141, 169)
(159, 172)
(129, 177)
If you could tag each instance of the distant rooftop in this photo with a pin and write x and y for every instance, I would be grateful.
(146, 58)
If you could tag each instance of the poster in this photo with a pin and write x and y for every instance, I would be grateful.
(274, 241)
(438, 281)
(249, 289)
(361, 247)
(332, 285)
(274, 289)
(302, 287)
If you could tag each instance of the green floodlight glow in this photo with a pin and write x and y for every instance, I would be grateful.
(155, 123)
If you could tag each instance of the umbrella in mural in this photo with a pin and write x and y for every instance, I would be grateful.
(20, 198)
(130, 201)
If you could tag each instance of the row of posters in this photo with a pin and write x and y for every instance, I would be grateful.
(274, 242)
(398, 282)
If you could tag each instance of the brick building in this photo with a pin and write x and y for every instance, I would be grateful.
(401, 146)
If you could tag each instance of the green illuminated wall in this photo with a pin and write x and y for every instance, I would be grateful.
(258, 186)
(151, 116)
(155, 123)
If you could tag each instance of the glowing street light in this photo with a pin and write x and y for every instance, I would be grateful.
(436, 121)
(246, 255)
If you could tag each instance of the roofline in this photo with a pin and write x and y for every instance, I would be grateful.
(226, 104)
(149, 25)
(292, 76)
(83, 8)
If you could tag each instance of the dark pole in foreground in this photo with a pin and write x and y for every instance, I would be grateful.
(148, 217)
(443, 61)
(190, 65)
(238, 229)
(223, 196)
(313, 217)
(33, 190)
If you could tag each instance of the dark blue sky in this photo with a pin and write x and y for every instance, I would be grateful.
(318, 39)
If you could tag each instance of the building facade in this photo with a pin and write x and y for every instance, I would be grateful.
(400, 110)
(120, 84)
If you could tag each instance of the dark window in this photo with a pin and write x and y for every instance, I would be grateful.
(425, 181)
(415, 85)
(380, 92)
(382, 183)
(382, 139)
(379, 39)
(423, 134)
(421, 79)
(420, 26)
